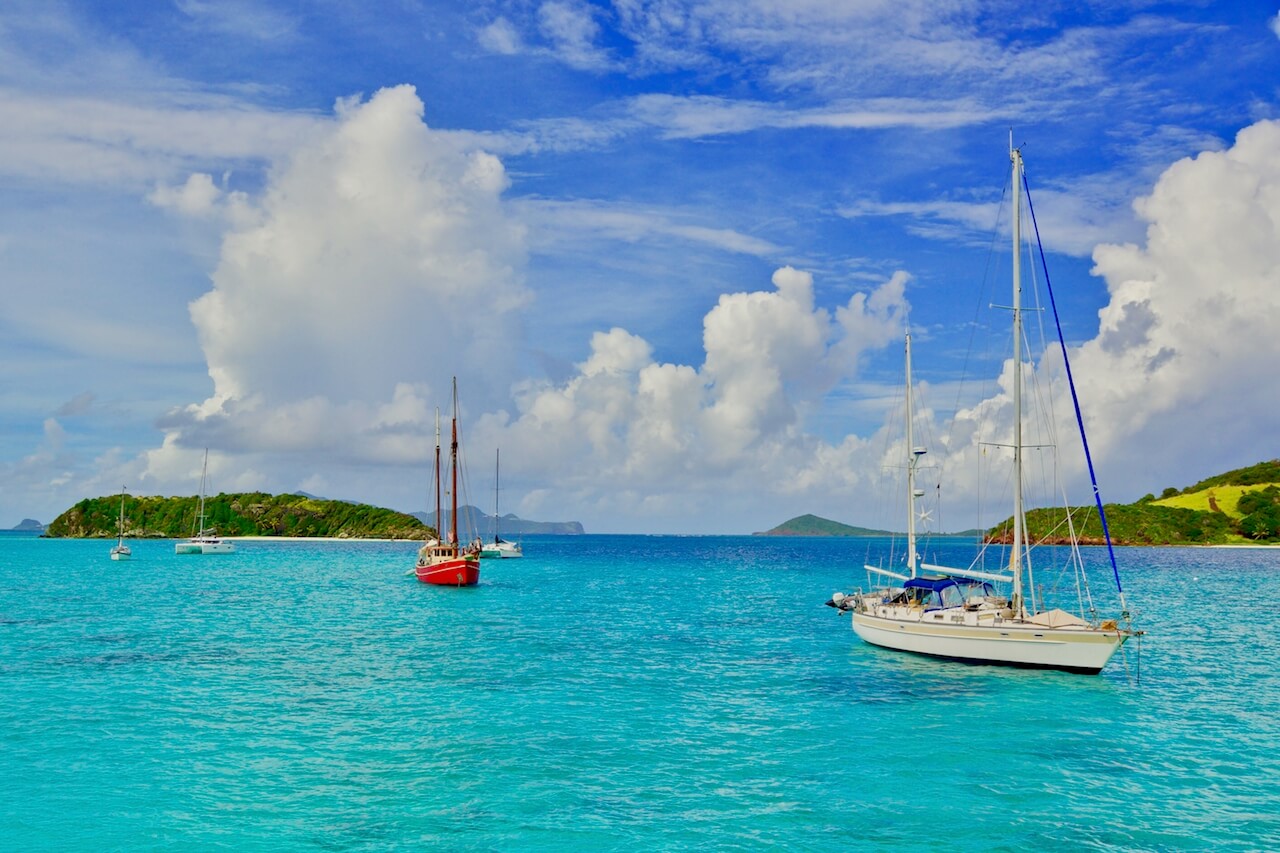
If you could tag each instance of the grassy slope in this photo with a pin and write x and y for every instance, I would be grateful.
(1213, 499)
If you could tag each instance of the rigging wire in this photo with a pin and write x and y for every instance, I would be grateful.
(1075, 401)
(890, 430)
(969, 357)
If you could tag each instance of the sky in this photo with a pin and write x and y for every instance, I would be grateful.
(668, 249)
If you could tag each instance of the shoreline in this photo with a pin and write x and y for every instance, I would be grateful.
(313, 539)
(1246, 545)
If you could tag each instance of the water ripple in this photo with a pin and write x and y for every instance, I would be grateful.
(605, 693)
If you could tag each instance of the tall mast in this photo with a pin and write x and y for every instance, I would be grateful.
(497, 472)
(1015, 559)
(120, 526)
(913, 458)
(437, 472)
(453, 469)
(204, 470)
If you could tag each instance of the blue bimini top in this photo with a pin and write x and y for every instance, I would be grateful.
(941, 592)
(939, 583)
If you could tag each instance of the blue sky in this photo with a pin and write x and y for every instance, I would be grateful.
(667, 248)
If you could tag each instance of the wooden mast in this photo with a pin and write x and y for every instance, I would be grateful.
(437, 473)
(453, 469)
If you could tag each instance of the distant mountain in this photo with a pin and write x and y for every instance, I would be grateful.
(812, 525)
(29, 524)
(508, 525)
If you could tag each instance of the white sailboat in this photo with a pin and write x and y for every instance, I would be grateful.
(957, 613)
(203, 540)
(121, 551)
(499, 547)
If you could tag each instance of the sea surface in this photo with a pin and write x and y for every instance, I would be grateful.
(608, 693)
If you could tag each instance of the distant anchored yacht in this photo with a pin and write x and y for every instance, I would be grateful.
(204, 540)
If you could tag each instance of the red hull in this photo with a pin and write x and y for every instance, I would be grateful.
(460, 572)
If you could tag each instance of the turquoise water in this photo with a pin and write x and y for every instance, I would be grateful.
(606, 692)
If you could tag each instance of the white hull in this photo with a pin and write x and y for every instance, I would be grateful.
(1076, 649)
(118, 554)
(195, 546)
(502, 550)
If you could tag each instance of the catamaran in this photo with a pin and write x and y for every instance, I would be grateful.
(203, 540)
(447, 563)
(959, 613)
(121, 551)
(499, 548)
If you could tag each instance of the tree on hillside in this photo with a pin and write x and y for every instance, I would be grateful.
(1260, 513)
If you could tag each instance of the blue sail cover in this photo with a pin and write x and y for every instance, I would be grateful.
(939, 583)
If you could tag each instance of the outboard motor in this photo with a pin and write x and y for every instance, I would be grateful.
(840, 601)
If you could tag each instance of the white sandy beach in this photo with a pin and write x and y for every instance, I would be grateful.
(313, 539)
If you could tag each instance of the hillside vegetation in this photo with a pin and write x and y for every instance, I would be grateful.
(1264, 473)
(246, 514)
(1236, 507)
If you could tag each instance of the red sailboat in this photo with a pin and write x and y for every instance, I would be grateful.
(446, 563)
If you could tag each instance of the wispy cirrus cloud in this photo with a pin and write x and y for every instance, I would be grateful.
(500, 36)
(566, 31)
(950, 221)
(706, 116)
(867, 65)
(557, 223)
(571, 29)
(1074, 215)
(124, 142)
(834, 49)
(242, 18)
(700, 116)
(82, 106)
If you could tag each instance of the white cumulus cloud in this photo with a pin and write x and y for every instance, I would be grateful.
(659, 442)
(377, 263)
(1184, 361)
(198, 196)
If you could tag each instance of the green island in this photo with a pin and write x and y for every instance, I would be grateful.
(812, 525)
(244, 514)
(1236, 508)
